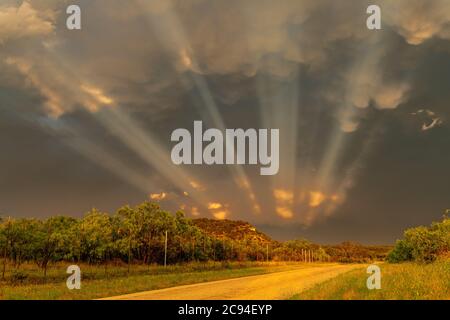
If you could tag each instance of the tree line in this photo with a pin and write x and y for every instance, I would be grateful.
(138, 235)
(132, 234)
(423, 244)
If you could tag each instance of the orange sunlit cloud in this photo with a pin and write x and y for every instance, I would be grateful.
(96, 98)
(283, 195)
(158, 196)
(316, 198)
(218, 210)
(221, 215)
(214, 205)
(284, 212)
(185, 59)
(196, 185)
(195, 212)
(97, 94)
(284, 200)
(334, 198)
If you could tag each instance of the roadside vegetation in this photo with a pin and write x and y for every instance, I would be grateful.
(423, 244)
(118, 280)
(418, 268)
(404, 281)
(137, 236)
(144, 248)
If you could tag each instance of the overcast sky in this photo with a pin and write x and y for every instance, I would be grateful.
(86, 115)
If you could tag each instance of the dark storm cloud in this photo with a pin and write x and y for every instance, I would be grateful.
(86, 116)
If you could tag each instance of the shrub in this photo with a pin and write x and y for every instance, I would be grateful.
(18, 276)
(423, 244)
(401, 252)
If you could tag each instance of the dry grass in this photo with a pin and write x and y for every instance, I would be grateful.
(405, 281)
(96, 283)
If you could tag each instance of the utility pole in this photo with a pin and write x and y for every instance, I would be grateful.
(267, 252)
(232, 251)
(165, 251)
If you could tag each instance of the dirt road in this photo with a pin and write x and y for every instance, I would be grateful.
(278, 285)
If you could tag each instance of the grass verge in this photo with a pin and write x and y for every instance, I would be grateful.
(405, 281)
(97, 284)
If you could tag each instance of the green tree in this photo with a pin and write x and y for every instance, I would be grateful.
(128, 230)
(6, 241)
(53, 240)
(423, 244)
(95, 233)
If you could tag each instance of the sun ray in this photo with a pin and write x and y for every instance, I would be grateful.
(113, 118)
(177, 44)
(279, 107)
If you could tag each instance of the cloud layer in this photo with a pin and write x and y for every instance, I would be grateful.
(111, 94)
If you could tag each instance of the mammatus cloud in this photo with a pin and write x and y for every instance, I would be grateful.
(24, 21)
(418, 21)
(62, 94)
(218, 210)
(221, 215)
(316, 198)
(214, 205)
(284, 200)
(269, 39)
(300, 56)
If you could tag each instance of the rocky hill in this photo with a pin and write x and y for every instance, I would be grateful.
(229, 229)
